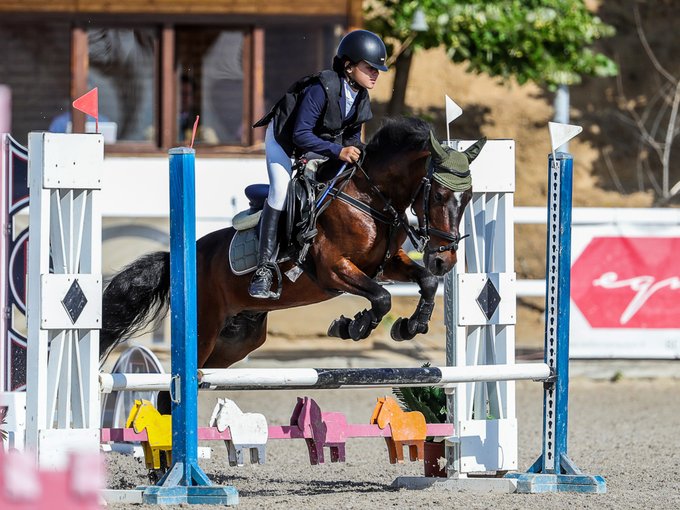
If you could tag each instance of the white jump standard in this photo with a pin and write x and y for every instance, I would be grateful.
(64, 302)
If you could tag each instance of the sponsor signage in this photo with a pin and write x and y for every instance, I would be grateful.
(625, 292)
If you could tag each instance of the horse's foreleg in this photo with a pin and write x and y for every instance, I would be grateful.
(402, 268)
(346, 277)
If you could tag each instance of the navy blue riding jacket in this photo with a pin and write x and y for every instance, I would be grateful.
(312, 106)
(311, 117)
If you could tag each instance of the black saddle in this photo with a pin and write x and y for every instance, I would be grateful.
(297, 225)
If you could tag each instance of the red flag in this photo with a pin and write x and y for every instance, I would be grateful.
(89, 104)
(193, 133)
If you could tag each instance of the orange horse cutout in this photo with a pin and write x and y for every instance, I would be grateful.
(144, 415)
(408, 429)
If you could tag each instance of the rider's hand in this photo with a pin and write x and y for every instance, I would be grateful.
(350, 154)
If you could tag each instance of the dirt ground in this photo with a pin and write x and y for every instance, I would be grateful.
(621, 430)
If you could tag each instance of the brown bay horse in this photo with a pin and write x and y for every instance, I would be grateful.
(404, 166)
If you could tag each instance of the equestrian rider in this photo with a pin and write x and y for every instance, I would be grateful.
(322, 114)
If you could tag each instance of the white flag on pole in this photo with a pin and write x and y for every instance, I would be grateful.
(562, 133)
(453, 111)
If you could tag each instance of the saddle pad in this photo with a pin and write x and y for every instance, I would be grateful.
(246, 219)
(243, 251)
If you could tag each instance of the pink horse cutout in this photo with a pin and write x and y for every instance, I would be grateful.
(320, 430)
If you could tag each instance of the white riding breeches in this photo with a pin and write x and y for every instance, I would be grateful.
(279, 168)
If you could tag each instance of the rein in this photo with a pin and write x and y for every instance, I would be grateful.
(420, 236)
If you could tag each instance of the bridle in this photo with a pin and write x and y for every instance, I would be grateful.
(420, 236)
(425, 231)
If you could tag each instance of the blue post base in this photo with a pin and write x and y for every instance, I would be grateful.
(175, 489)
(571, 479)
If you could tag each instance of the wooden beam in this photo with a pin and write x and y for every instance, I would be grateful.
(156, 7)
(355, 15)
(80, 65)
(167, 118)
(247, 112)
(39, 6)
(257, 103)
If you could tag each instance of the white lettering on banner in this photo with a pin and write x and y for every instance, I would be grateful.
(645, 286)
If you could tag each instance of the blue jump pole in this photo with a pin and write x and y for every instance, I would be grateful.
(185, 482)
(554, 471)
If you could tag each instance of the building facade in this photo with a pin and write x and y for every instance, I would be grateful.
(159, 64)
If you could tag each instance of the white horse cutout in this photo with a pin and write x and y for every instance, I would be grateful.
(248, 431)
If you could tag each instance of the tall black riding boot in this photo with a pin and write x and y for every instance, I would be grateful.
(260, 285)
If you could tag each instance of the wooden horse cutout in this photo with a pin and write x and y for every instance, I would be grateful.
(248, 431)
(144, 416)
(408, 429)
(320, 430)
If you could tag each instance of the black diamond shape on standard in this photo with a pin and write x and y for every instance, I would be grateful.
(488, 299)
(74, 301)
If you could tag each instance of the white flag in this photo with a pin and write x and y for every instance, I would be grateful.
(453, 111)
(562, 133)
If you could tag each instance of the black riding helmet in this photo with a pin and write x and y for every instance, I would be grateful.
(363, 45)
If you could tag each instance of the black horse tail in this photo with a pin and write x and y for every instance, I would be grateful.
(134, 298)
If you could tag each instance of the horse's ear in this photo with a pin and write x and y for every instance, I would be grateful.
(473, 151)
(438, 151)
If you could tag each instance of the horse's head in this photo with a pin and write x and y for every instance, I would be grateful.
(446, 191)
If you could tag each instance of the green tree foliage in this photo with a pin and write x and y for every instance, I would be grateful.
(544, 41)
(392, 20)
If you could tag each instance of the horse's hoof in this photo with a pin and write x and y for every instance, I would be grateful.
(362, 325)
(399, 331)
(358, 330)
(406, 329)
(339, 328)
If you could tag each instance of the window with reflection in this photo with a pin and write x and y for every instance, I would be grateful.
(155, 78)
(123, 64)
(210, 84)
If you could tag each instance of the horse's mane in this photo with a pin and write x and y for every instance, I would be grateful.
(398, 135)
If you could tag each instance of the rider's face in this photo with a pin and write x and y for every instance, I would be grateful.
(363, 74)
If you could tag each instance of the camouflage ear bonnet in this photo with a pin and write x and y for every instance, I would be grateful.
(453, 172)
(452, 168)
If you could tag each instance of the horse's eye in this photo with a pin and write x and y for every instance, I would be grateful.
(439, 196)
